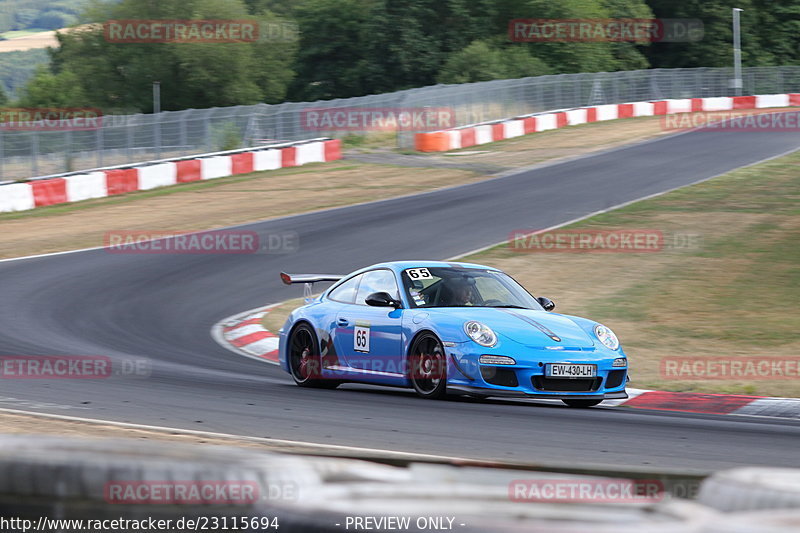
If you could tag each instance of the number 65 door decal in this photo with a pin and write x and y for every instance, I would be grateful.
(361, 338)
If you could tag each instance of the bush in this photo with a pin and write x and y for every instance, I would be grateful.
(227, 136)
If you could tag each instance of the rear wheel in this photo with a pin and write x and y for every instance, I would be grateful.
(305, 362)
(428, 367)
(581, 403)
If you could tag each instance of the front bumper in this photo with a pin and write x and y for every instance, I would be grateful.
(527, 378)
(510, 393)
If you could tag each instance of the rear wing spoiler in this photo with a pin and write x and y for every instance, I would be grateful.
(291, 279)
(308, 281)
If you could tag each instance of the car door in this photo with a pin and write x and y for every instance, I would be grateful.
(341, 296)
(371, 337)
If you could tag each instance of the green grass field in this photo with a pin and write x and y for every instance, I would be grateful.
(731, 289)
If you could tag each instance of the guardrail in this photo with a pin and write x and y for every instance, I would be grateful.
(108, 181)
(498, 130)
(124, 138)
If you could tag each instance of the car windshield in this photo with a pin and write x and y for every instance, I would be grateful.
(464, 287)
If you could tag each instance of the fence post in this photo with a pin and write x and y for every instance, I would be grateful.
(68, 151)
(34, 153)
(157, 134)
(129, 140)
(99, 141)
(182, 132)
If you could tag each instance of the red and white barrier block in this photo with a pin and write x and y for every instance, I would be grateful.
(150, 175)
(476, 134)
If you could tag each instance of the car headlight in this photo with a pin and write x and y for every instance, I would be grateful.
(480, 333)
(620, 361)
(606, 336)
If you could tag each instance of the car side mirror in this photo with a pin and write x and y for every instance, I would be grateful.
(381, 299)
(547, 303)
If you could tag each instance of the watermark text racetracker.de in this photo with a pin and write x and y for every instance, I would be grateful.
(202, 242)
(386, 364)
(586, 490)
(72, 367)
(378, 119)
(732, 120)
(618, 240)
(50, 118)
(730, 368)
(605, 30)
(199, 31)
(195, 492)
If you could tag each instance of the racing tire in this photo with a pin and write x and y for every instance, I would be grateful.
(428, 367)
(581, 404)
(305, 362)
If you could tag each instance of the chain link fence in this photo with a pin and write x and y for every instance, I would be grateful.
(123, 139)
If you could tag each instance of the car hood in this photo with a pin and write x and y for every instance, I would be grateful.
(523, 326)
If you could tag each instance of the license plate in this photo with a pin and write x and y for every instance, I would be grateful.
(571, 371)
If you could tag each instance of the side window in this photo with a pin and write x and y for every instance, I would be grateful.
(377, 281)
(346, 292)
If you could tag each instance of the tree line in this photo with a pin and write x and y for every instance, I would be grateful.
(17, 15)
(350, 48)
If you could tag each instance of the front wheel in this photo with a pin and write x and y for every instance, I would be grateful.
(581, 403)
(428, 367)
(305, 362)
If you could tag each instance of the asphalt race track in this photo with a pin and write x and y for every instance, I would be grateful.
(161, 307)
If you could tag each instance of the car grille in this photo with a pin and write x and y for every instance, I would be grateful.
(504, 377)
(565, 384)
(615, 379)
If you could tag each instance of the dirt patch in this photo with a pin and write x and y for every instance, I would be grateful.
(215, 203)
(30, 42)
(42, 39)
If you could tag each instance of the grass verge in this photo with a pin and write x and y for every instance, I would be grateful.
(725, 284)
(263, 195)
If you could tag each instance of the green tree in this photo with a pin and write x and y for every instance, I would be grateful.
(714, 50)
(412, 39)
(777, 28)
(53, 20)
(3, 97)
(278, 7)
(629, 55)
(357, 47)
(119, 76)
(331, 61)
(567, 57)
(46, 89)
(483, 61)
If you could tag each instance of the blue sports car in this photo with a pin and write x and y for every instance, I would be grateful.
(443, 327)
